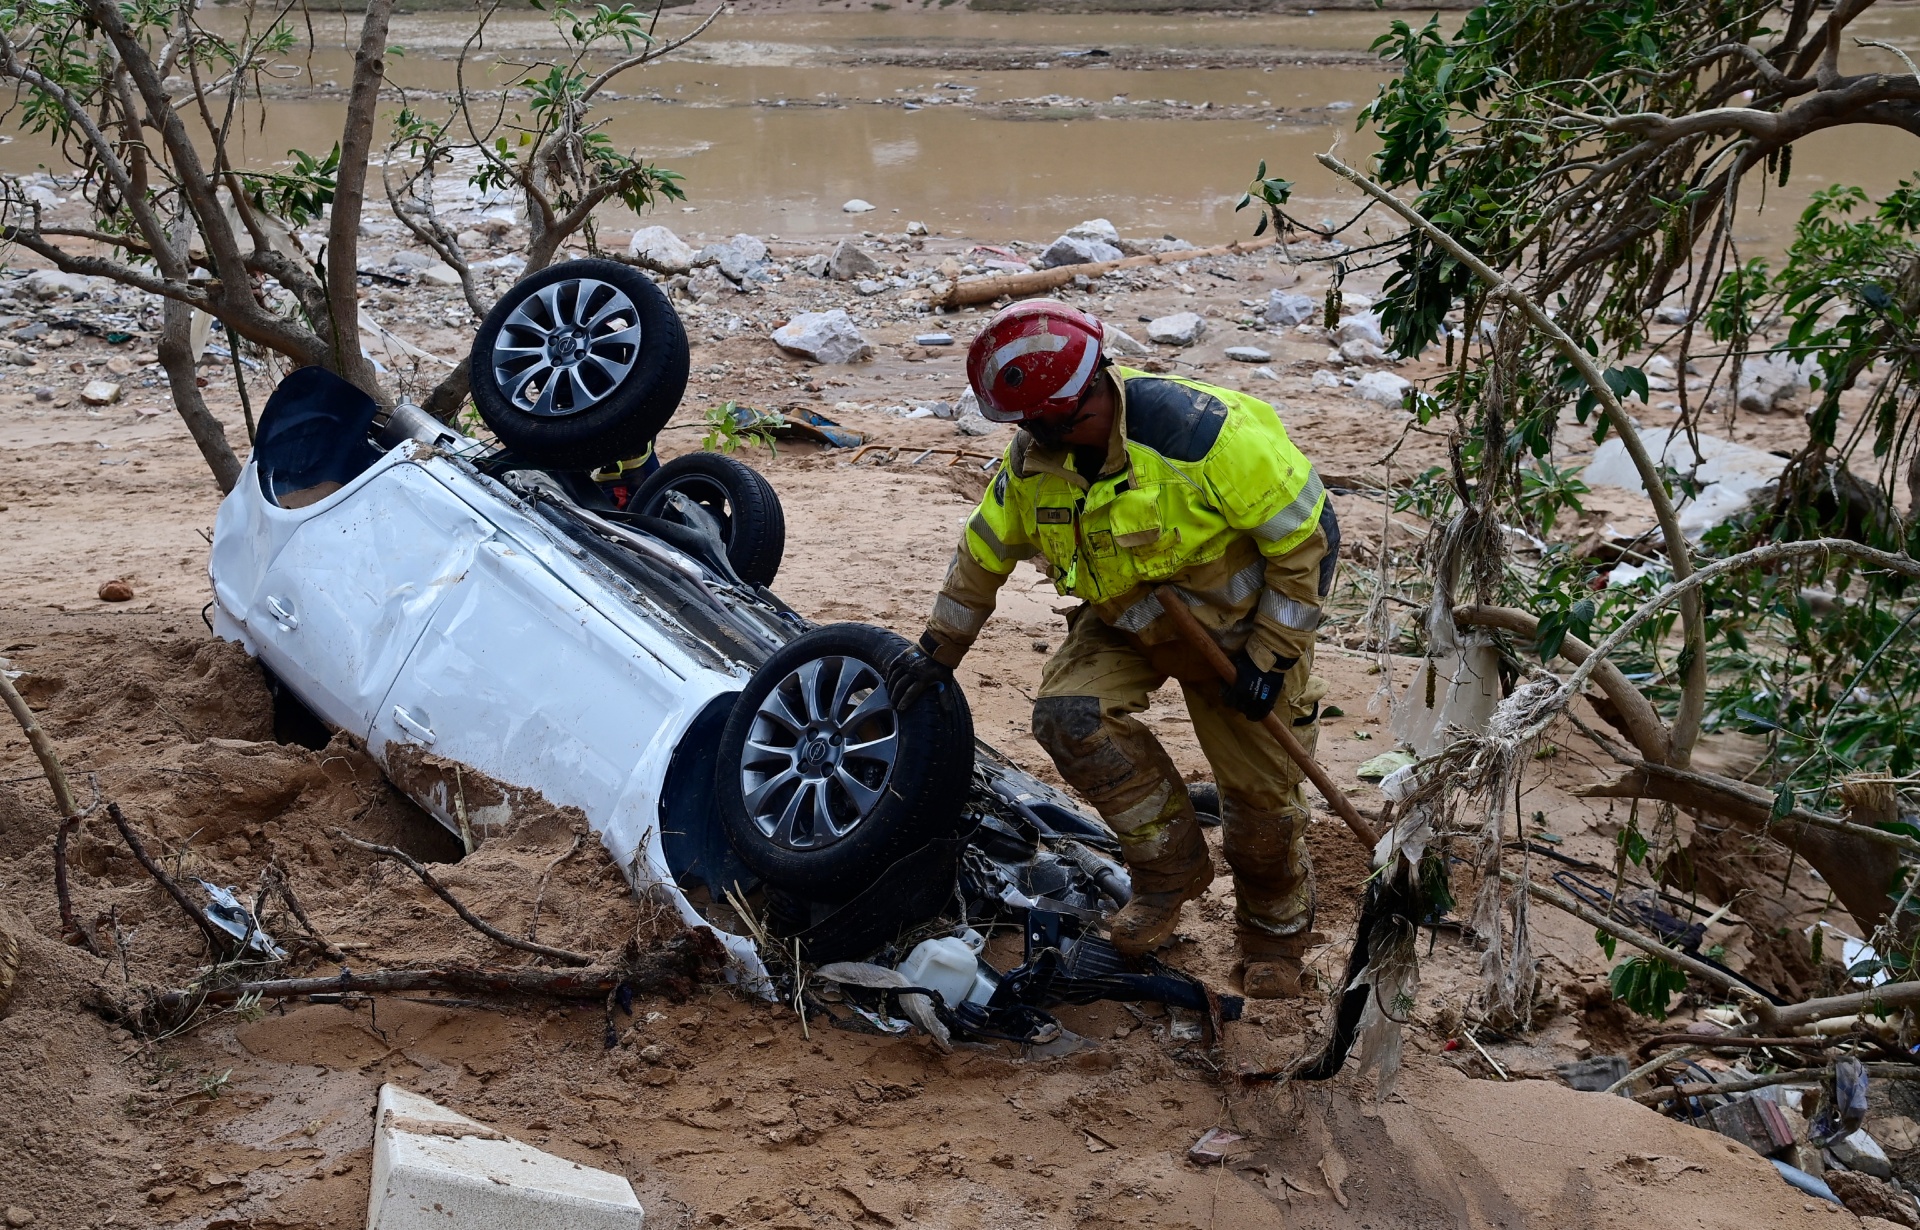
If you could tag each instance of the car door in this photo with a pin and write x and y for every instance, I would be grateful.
(343, 602)
(519, 677)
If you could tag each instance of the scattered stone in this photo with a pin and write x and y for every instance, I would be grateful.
(1766, 382)
(1179, 329)
(433, 1167)
(737, 258)
(1593, 1075)
(1659, 365)
(1097, 229)
(1868, 1196)
(1122, 343)
(42, 392)
(440, 274)
(1361, 351)
(116, 591)
(867, 287)
(1383, 387)
(493, 226)
(1284, 310)
(1324, 379)
(100, 393)
(933, 339)
(413, 260)
(1859, 1151)
(856, 206)
(917, 228)
(32, 332)
(1361, 327)
(1071, 249)
(471, 239)
(51, 284)
(1671, 315)
(120, 365)
(705, 284)
(1248, 354)
(973, 426)
(849, 262)
(1731, 476)
(936, 409)
(660, 250)
(1266, 372)
(17, 1216)
(824, 337)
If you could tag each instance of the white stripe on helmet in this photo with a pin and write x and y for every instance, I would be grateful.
(1089, 355)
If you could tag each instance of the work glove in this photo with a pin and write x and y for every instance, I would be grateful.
(1254, 692)
(912, 673)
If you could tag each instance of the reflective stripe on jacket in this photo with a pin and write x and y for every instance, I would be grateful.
(1200, 487)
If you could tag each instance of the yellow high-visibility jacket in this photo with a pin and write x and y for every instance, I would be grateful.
(1200, 487)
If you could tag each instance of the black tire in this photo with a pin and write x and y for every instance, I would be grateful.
(1206, 803)
(836, 850)
(752, 524)
(912, 892)
(593, 418)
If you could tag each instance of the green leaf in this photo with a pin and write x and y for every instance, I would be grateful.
(1606, 941)
(1783, 801)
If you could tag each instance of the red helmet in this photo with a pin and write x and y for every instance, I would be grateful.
(1033, 361)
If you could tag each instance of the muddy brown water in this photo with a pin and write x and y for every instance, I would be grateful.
(776, 119)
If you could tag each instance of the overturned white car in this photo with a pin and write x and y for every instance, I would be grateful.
(478, 614)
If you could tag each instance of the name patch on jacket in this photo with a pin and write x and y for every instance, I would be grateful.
(1053, 516)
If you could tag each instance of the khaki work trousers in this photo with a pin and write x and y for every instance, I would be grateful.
(1084, 717)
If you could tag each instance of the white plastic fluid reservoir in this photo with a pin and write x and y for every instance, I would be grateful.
(947, 965)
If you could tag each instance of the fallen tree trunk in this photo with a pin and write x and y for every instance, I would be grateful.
(965, 292)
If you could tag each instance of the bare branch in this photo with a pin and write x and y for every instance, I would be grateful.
(653, 52)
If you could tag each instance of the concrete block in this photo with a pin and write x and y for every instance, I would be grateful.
(433, 1167)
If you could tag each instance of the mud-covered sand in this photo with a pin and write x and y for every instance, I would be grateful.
(262, 1118)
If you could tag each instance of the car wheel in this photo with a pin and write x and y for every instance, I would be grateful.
(752, 525)
(579, 365)
(1206, 803)
(822, 785)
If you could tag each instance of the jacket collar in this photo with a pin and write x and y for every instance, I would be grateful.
(1031, 458)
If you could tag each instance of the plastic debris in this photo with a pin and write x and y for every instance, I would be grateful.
(226, 913)
(1595, 1075)
(1214, 1146)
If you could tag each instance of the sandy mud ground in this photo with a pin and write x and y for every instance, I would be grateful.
(720, 1109)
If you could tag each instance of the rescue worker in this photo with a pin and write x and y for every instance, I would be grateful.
(1120, 480)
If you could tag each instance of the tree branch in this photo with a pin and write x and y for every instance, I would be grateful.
(349, 199)
(653, 52)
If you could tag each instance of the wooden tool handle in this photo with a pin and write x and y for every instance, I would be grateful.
(1196, 636)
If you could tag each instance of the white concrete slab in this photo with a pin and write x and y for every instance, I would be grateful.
(433, 1167)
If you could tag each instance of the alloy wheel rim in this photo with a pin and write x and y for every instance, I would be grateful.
(567, 347)
(820, 753)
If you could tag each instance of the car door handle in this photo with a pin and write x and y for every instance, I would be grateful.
(282, 614)
(413, 726)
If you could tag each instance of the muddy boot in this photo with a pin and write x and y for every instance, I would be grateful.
(1271, 966)
(1148, 921)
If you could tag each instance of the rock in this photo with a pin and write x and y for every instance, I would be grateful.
(31, 333)
(737, 258)
(471, 239)
(494, 226)
(824, 337)
(17, 1216)
(116, 591)
(440, 274)
(52, 284)
(856, 206)
(1073, 249)
(1767, 381)
(1595, 1074)
(433, 1167)
(1660, 366)
(916, 228)
(100, 393)
(1870, 1222)
(1869, 1197)
(1731, 476)
(1284, 310)
(413, 260)
(1179, 329)
(120, 365)
(1097, 229)
(1383, 387)
(1324, 379)
(933, 339)
(849, 262)
(1267, 373)
(1361, 351)
(1120, 342)
(1167, 243)
(936, 409)
(660, 250)
(1670, 315)
(1248, 354)
(866, 287)
(705, 284)
(1361, 327)
(1862, 1152)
